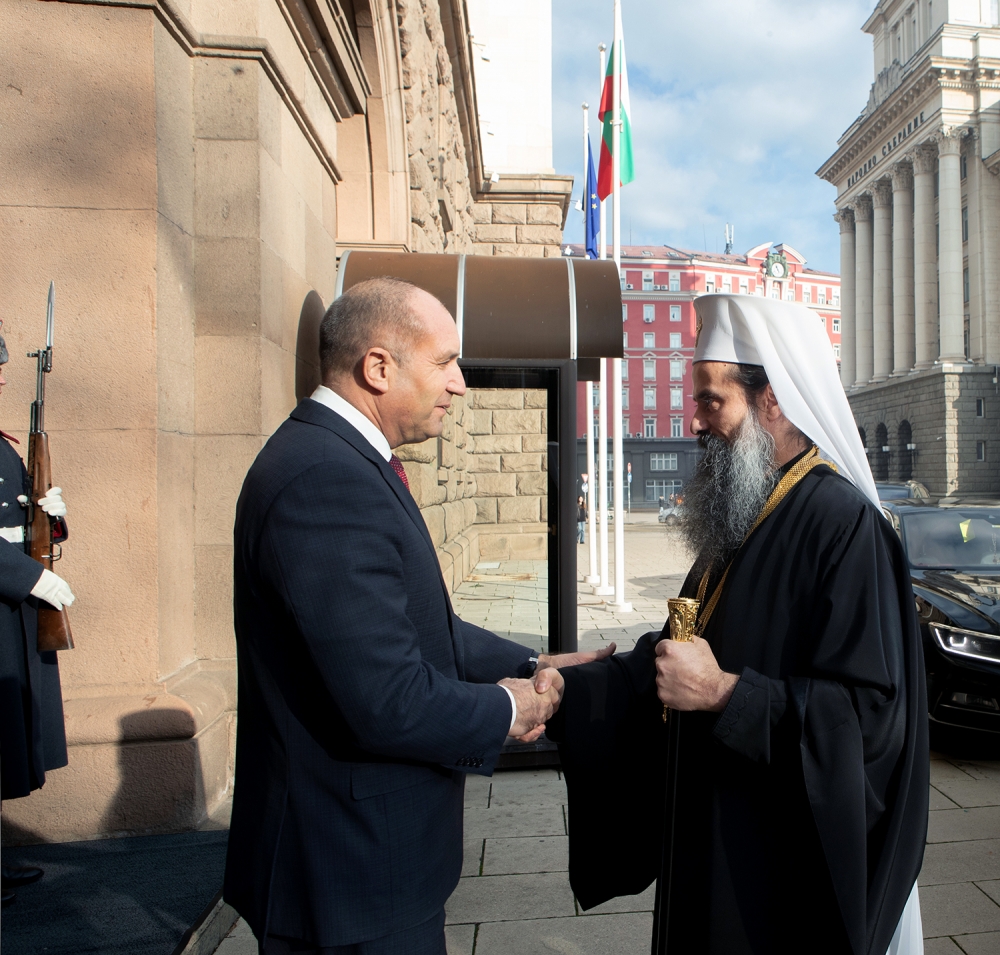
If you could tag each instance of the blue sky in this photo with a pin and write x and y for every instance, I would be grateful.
(735, 106)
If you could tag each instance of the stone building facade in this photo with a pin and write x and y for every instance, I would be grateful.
(918, 203)
(187, 171)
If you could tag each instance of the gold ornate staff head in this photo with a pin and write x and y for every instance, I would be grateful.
(682, 612)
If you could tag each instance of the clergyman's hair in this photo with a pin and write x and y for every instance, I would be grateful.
(376, 312)
(752, 378)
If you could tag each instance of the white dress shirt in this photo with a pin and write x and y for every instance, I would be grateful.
(347, 411)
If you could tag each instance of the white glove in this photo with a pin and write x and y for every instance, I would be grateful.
(52, 503)
(53, 590)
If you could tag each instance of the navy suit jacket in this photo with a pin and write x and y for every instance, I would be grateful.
(363, 699)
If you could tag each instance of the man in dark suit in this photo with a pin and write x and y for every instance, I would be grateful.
(363, 699)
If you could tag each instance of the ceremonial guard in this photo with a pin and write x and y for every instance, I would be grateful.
(32, 733)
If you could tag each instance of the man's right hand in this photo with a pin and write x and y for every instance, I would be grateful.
(53, 590)
(533, 708)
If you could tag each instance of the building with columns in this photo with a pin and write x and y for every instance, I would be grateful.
(918, 204)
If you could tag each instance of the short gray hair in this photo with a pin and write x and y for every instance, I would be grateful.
(376, 312)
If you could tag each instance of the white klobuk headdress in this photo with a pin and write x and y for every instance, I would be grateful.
(790, 341)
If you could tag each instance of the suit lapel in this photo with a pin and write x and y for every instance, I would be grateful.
(312, 412)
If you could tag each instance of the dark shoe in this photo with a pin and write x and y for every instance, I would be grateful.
(14, 876)
(7, 897)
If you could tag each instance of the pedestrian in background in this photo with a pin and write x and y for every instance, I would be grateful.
(581, 520)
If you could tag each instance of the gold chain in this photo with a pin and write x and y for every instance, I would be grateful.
(792, 477)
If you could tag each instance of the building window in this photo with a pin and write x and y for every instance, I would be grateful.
(836, 326)
(597, 430)
(649, 369)
(657, 488)
(648, 313)
(709, 286)
(649, 427)
(676, 399)
(625, 398)
(621, 279)
(647, 281)
(963, 165)
(675, 339)
(675, 281)
(596, 397)
(662, 461)
(744, 285)
(965, 285)
(980, 450)
(649, 339)
(726, 284)
(980, 407)
(806, 296)
(675, 313)
(821, 296)
(649, 399)
(676, 369)
(789, 294)
(965, 222)
(625, 427)
(836, 351)
(676, 427)
(624, 312)
(624, 369)
(836, 299)
(775, 290)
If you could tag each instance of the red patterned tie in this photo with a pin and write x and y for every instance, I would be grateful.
(397, 466)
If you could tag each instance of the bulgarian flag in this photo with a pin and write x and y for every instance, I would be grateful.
(606, 112)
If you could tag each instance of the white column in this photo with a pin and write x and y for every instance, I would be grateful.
(974, 250)
(902, 269)
(924, 257)
(952, 323)
(592, 577)
(602, 588)
(848, 347)
(863, 287)
(882, 280)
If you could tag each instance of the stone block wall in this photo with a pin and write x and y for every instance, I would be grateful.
(508, 437)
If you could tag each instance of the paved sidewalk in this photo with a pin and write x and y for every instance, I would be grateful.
(514, 897)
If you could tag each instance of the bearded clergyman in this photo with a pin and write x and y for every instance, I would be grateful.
(774, 765)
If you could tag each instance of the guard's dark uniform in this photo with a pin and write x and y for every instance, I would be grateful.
(32, 732)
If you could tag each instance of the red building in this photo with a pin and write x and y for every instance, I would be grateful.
(658, 323)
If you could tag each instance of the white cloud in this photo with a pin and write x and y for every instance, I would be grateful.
(735, 107)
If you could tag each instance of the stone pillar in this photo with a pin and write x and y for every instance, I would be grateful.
(974, 250)
(863, 288)
(848, 338)
(924, 257)
(950, 247)
(902, 269)
(882, 280)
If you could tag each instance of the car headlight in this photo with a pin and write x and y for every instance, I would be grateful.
(967, 643)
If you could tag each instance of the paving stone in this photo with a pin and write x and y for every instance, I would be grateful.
(943, 769)
(956, 909)
(477, 790)
(240, 930)
(582, 935)
(472, 854)
(498, 898)
(460, 939)
(231, 945)
(502, 821)
(940, 801)
(957, 825)
(988, 943)
(961, 862)
(522, 788)
(969, 793)
(941, 946)
(643, 902)
(527, 854)
(991, 888)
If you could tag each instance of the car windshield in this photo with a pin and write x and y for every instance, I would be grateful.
(892, 492)
(956, 537)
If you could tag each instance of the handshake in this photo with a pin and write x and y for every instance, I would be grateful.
(538, 698)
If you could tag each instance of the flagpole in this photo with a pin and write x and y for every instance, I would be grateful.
(592, 577)
(584, 197)
(601, 588)
(619, 605)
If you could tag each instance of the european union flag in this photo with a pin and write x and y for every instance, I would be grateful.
(593, 207)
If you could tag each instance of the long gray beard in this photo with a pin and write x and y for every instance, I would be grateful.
(729, 490)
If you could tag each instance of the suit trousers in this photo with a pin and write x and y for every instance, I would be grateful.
(425, 939)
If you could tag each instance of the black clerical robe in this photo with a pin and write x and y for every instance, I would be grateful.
(800, 811)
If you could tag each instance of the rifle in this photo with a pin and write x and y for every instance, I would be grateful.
(53, 625)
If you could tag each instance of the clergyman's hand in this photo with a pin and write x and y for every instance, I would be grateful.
(533, 708)
(689, 678)
(561, 660)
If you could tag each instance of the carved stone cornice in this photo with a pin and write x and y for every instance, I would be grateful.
(902, 176)
(863, 208)
(845, 217)
(882, 194)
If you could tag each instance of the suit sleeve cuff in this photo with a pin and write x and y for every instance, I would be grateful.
(745, 723)
(513, 707)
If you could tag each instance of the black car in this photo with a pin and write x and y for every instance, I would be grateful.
(954, 558)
